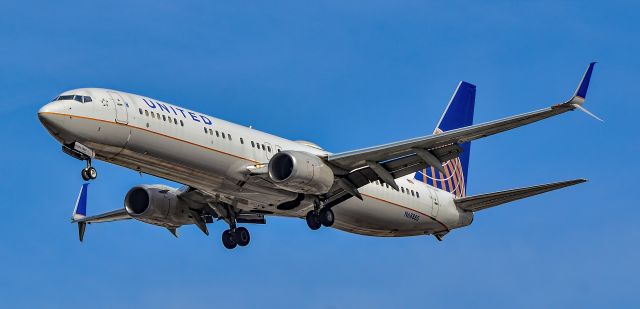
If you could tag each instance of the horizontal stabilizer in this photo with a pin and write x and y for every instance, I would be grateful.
(484, 201)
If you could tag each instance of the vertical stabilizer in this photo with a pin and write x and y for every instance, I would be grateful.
(458, 114)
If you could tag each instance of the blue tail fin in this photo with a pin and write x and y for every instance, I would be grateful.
(458, 114)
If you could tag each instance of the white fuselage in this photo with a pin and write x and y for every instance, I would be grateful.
(214, 155)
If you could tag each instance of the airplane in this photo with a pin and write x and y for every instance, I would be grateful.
(242, 176)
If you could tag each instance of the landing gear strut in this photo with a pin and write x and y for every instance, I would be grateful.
(89, 172)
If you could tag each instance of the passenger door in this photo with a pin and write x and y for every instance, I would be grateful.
(122, 113)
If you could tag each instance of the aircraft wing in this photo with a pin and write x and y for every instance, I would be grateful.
(389, 161)
(484, 201)
(79, 215)
(80, 211)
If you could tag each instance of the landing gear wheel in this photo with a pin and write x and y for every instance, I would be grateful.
(313, 220)
(92, 172)
(227, 240)
(89, 173)
(241, 236)
(85, 175)
(326, 217)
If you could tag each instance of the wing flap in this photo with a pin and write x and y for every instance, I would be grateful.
(484, 201)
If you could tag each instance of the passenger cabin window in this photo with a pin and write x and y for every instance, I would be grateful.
(146, 113)
(229, 135)
(253, 144)
(241, 141)
(223, 135)
(269, 148)
(140, 110)
(181, 123)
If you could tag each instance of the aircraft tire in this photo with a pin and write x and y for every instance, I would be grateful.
(85, 175)
(326, 217)
(241, 236)
(227, 240)
(313, 220)
(92, 172)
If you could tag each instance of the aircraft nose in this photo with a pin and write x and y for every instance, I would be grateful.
(47, 108)
(49, 115)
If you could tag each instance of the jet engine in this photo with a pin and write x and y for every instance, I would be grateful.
(158, 205)
(301, 172)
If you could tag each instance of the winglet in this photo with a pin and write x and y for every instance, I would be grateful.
(80, 211)
(581, 91)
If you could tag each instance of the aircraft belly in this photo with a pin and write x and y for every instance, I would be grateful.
(377, 218)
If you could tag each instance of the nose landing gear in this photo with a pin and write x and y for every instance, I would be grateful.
(89, 172)
(82, 153)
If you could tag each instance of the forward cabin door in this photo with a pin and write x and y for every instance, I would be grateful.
(122, 113)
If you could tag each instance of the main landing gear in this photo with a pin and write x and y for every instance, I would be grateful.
(235, 237)
(317, 218)
(89, 172)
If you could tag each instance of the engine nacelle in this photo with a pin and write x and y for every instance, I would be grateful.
(156, 204)
(301, 172)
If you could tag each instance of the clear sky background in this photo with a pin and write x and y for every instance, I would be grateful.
(344, 74)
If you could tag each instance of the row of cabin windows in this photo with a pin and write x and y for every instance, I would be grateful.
(219, 134)
(263, 147)
(206, 130)
(225, 136)
(402, 189)
(161, 117)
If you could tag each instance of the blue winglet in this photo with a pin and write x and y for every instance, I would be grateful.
(80, 211)
(584, 83)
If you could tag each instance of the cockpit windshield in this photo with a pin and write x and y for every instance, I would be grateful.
(79, 98)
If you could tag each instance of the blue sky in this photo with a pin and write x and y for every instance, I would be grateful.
(344, 74)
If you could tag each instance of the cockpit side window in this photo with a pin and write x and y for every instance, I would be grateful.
(78, 98)
(87, 99)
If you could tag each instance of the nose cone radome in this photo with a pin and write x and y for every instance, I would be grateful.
(51, 116)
